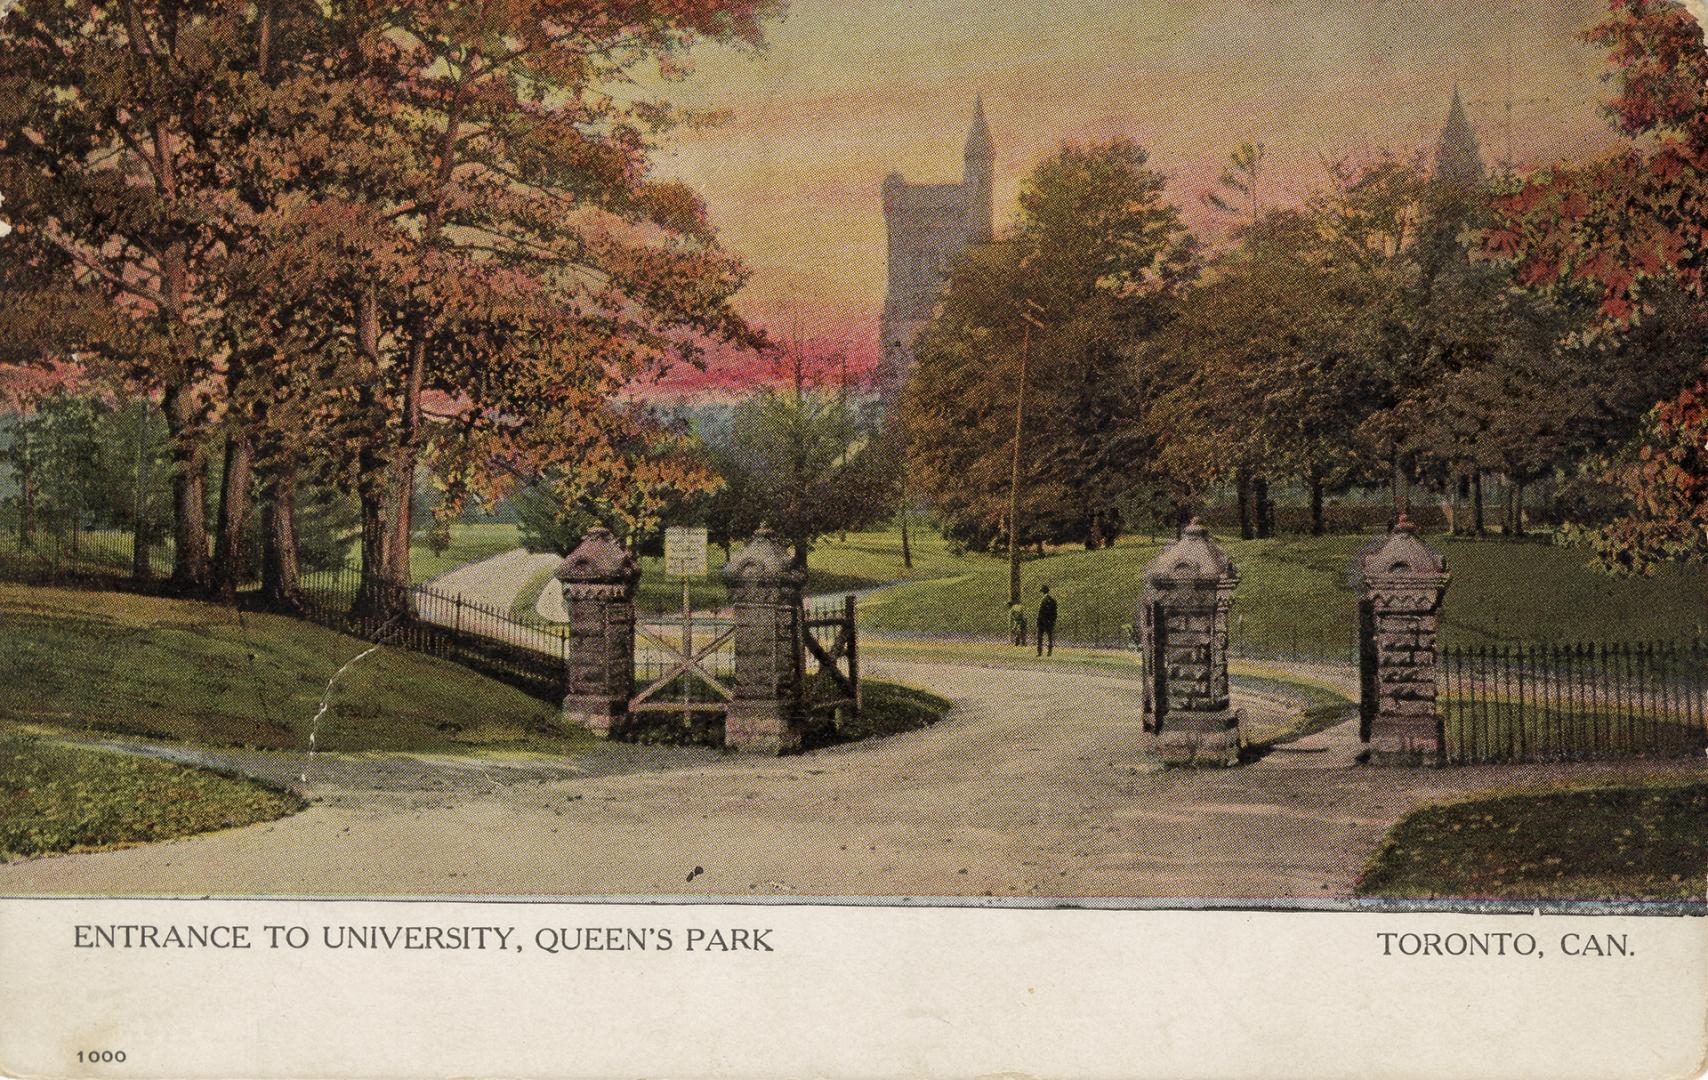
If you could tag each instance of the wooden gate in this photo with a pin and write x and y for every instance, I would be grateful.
(684, 664)
(831, 679)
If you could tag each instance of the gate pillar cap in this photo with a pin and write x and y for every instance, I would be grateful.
(1194, 559)
(599, 559)
(1402, 557)
(764, 558)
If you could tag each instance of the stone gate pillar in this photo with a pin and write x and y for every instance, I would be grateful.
(765, 715)
(1183, 633)
(1403, 581)
(599, 580)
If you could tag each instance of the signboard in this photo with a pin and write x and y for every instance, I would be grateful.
(684, 551)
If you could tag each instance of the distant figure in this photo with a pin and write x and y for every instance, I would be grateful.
(1047, 623)
(1017, 622)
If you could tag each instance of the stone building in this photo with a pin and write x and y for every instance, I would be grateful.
(929, 226)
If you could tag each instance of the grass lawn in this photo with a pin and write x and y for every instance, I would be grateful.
(885, 709)
(173, 669)
(64, 798)
(1296, 596)
(470, 542)
(1636, 842)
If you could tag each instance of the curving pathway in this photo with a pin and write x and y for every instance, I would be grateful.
(1041, 784)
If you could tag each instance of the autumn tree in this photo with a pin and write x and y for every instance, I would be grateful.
(362, 239)
(1628, 226)
(103, 113)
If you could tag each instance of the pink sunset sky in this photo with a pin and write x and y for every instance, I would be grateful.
(847, 90)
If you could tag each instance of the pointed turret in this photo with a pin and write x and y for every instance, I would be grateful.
(1458, 158)
(979, 147)
(980, 179)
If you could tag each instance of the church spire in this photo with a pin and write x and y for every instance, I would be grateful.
(1458, 158)
(979, 147)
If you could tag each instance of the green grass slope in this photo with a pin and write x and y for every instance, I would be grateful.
(1296, 595)
(111, 662)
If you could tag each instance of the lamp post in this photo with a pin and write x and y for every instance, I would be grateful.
(1028, 320)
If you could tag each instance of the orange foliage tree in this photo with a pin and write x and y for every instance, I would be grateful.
(1627, 226)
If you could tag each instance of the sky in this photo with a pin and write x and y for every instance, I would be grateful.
(847, 90)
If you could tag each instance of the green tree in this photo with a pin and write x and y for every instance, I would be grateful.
(1268, 370)
(801, 456)
(1093, 265)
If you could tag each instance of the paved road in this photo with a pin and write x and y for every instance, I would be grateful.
(1040, 784)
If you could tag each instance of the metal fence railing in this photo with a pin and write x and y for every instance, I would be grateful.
(529, 655)
(56, 551)
(1569, 702)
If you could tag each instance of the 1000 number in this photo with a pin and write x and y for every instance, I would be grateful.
(100, 1057)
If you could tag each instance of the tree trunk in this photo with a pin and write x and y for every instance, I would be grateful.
(381, 592)
(378, 594)
(233, 520)
(1242, 488)
(906, 547)
(1518, 507)
(26, 494)
(1477, 524)
(1318, 525)
(403, 468)
(1265, 509)
(141, 568)
(189, 493)
(1399, 489)
(281, 582)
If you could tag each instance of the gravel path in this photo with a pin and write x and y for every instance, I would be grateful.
(495, 581)
(1041, 783)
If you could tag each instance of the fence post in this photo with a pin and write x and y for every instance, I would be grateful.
(765, 716)
(599, 580)
(1183, 616)
(1403, 582)
(849, 609)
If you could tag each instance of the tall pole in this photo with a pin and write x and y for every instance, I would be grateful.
(1014, 473)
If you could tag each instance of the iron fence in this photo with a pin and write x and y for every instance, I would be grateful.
(1573, 702)
(54, 552)
(528, 655)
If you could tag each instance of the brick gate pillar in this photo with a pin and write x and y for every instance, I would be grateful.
(1403, 582)
(765, 716)
(1183, 634)
(599, 580)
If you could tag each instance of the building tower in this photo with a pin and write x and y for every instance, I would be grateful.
(979, 179)
(929, 227)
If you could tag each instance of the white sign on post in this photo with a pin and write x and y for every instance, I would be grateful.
(685, 551)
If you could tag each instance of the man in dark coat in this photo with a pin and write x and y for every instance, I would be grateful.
(1047, 623)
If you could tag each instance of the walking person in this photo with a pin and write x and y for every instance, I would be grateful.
(1047, 623)
(1017, 623)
